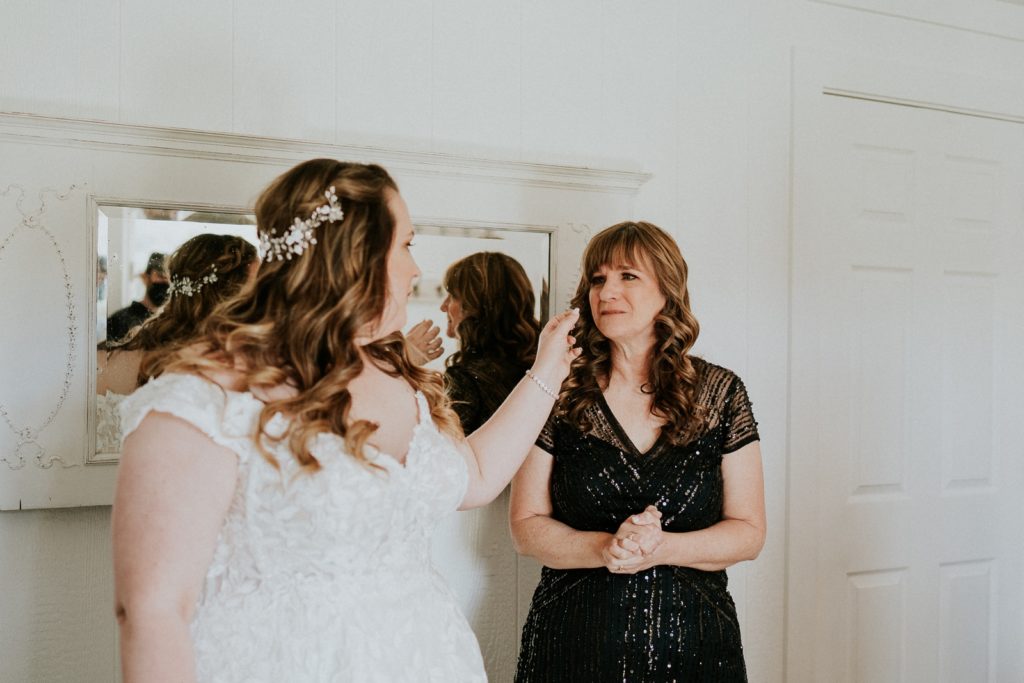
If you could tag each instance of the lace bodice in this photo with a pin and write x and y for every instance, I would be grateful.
(323, 576)
(108, 422)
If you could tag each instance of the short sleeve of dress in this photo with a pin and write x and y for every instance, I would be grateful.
(228, 418)
(740, 425)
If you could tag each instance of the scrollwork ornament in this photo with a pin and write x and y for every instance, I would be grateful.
(28, 446)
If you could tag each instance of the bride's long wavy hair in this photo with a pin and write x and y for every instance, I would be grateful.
(297, 323)
(673, 380)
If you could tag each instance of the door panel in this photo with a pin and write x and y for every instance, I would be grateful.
(906, 479)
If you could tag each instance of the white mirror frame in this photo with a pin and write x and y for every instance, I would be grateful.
(92, 457)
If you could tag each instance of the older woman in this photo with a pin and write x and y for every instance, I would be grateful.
(644, 485)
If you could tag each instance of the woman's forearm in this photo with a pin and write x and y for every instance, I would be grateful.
(558, 545)
(156, 647)
(502, 443)
(717, 547)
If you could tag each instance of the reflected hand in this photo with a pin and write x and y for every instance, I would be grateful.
(423, 342)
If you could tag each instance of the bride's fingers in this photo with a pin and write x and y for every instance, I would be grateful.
(566, 318)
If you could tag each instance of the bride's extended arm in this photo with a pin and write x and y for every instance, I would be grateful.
(498, 448)
(174, 487)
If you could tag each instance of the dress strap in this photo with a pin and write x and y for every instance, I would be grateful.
(423, 409)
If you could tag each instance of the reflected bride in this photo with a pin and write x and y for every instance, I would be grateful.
(204, 271)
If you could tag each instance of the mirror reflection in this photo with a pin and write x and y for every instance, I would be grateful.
(162, 272)
(473, 314)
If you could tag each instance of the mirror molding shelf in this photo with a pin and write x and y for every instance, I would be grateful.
(194, 144)
(155, 167)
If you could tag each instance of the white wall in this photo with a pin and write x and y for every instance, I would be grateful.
(696, 92)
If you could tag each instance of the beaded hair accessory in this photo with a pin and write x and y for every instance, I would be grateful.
(186, 286)
(299, 235)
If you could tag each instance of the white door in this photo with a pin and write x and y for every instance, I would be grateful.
(906, 558)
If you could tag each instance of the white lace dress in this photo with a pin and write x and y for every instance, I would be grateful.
(323, 577)
(108, 422)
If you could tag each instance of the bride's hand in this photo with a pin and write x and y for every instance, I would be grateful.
(556, 349)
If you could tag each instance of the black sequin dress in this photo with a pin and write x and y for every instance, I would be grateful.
(478, 385)
(666, 623)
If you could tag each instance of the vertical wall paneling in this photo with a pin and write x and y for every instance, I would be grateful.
(37, 75)
(562, 48)
(476, 77)
(384, 51)
(283, 69)
(176, 64)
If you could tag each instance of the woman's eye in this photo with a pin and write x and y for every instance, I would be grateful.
(597, 280)
(628, 276)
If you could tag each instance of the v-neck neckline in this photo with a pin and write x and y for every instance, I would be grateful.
(620, 432)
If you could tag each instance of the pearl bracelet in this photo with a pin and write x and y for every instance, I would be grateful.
(544, 387)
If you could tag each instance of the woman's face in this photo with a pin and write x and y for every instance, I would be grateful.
(625, 299)
(453, 309)
(402, 269)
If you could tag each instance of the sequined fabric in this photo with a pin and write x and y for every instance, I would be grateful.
(664, 624)
(478, 385)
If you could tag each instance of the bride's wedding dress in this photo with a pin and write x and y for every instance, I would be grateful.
(324, 576)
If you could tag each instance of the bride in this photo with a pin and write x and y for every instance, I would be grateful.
(280, 481)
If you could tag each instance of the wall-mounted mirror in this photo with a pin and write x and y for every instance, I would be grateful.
(133, 244)
(439, 244)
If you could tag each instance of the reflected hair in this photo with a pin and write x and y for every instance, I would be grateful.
(673, 380)
(497, 303)
(298, 323)
(179, 319)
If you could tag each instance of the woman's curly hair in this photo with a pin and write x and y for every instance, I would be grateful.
(497, 304)
(673, 380)
(228, 256)
(297, 324)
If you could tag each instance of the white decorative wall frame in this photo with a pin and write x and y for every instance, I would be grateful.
(27, 445)
(49, 462)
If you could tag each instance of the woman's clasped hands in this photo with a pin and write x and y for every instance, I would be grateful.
(632, 548)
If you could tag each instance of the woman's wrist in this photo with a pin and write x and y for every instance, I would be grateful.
(541, 384)
(548, 374)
